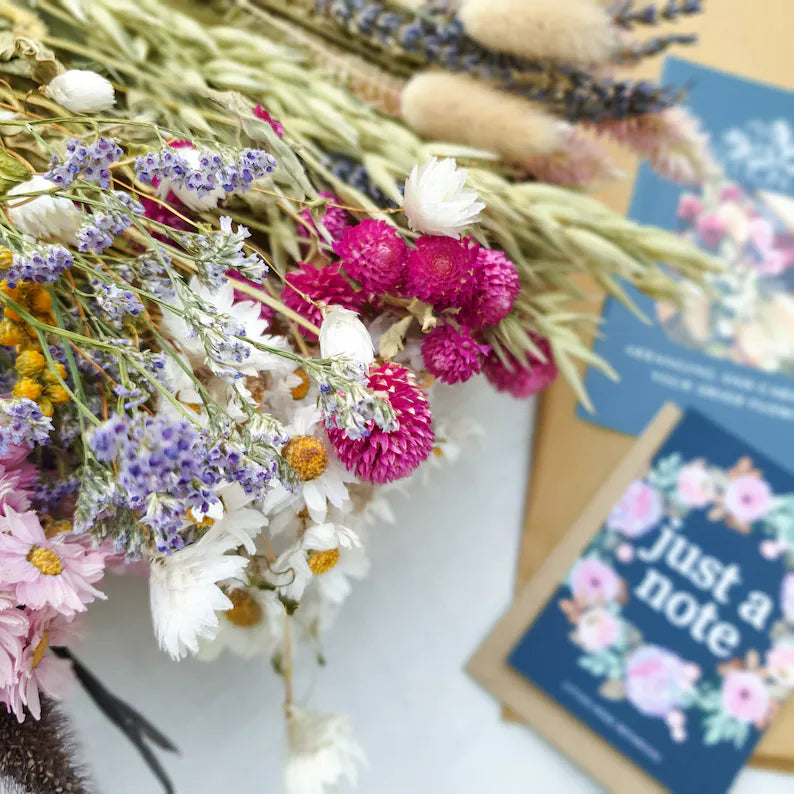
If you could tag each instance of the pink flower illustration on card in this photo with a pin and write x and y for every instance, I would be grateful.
(594, 582)
(780, 663)
(598, 629)
(639, 510)
(656, 680)
(745, 696)
(748, 498)
(787, 597)
(695, 487)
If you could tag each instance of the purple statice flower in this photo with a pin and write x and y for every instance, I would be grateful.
(38, 262)
(219, 251)
(22, 424)
(98, 230)
(91, 161)
(222, 168)
(115, 301)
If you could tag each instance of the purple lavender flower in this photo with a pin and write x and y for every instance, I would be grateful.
(98, 230)
(22, 424)
(38, 262)
(91, 161)
(48, 495)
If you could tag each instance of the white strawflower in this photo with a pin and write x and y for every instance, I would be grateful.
(81, 91)
(51, 218)
(436, 201)
(321, 752)
(184, 594)
(343, 334)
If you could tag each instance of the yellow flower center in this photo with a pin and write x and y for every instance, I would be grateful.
(46, 560)
(302, 389)
(323, 561)
(307, 455)
(438, 452)
(41, 649)
(205, 522)
(246, 612)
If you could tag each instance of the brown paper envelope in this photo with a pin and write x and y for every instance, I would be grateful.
(489, 664)
(571, 457)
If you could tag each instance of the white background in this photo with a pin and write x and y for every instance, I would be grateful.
(440, 577)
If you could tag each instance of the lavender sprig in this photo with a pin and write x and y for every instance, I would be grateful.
(627, 15)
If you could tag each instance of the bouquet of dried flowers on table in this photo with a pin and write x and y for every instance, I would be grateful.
(217, 350)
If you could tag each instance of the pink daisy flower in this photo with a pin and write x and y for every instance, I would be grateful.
(440, 271)
(373, 253)
(14, 628)
(57, 572)
(522, 380)
(321, 284)
(39, 670)
(382, 457)
(496, 287)
(452, 354)
(335, 219)
(12, 491)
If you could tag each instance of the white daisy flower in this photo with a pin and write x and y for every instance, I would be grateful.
(184, 593)
(319, 551)
(436, 201)
(254, 626)
(81, 91)
(322, 474)
(343, 334)
(50, 218)
(321, 752)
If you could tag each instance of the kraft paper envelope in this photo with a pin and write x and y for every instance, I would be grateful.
(571, 457)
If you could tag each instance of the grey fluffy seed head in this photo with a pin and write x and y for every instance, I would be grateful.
(39, 756)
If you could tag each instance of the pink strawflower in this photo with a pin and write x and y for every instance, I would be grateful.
(672, 140)
(265, 312)
(452, 354)
(373, 253)
(689, 207)
(276, 126)
(39, 669)
(335, 219)
(496, 288)
(14, 627)
(57, 572)
(382, 457)
(522, 381)
(440, 271)
(745, 696)
(711, 229)
(321, 284)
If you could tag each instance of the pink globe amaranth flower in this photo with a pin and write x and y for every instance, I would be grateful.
(440, 271)
(14, 629)
(276, 126)
(39, 669)
(598, 629)
(689, 207)
(335, 219)
(322, 284)
(731, 193)
(780, 663)
(787, 597)
(748, 498)
(57, 572)
(745, 696)
(496, 288)
(383, 457)
(265, 312)
(711, 229)
(594, 582)
(452, 354)
(373, 253)
(522, 381)
(638, 511)
(695, 486)
(656, 681)
(166, 213)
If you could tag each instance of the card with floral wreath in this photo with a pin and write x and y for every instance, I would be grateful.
(665, 621)
(728, 349)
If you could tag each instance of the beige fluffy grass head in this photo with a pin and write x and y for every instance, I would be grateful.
(460, 109)
(575, 31)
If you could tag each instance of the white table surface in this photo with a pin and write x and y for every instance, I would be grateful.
(440, 577)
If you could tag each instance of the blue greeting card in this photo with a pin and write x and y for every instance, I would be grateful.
(672, 633)
(729, 353)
